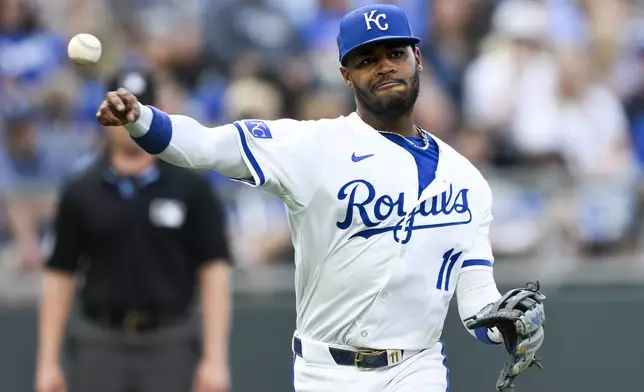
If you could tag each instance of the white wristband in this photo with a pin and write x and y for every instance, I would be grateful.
(142, 125)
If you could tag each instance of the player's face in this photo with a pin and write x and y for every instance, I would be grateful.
(384, 78)
(125, 155)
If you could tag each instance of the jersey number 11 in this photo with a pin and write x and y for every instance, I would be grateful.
(446, 270)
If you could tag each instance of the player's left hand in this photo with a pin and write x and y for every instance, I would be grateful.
(212, 376)
(519, 316)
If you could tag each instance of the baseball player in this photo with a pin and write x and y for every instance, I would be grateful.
(388, 222)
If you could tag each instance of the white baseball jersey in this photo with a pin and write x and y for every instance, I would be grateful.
(376, 265)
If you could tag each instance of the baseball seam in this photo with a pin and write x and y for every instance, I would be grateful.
(86, 46)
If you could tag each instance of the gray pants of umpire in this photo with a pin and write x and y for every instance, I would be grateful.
(108, 360)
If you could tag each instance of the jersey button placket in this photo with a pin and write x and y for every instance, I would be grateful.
(403, 247)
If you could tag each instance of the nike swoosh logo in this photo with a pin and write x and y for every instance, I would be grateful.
(355, 158)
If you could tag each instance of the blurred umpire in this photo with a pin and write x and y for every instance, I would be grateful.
(143, 235)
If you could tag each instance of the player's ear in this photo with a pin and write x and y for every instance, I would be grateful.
(419, 58)
(346, 76)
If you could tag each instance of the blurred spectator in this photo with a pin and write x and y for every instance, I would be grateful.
(435, 111)
(299, 12)
(604, 28)
(320, 33)
(521, 218)
(30, 54)
(235, 28)
(584, 123)
(320, 40)
(634, 95)
(456, 27)
(32, 64)
(32, 174)
(634, 104)
(513, 67)
(324, 104)
(577, 118)
(40, 148)
(252, 98)
(253, 38)
(163, 35)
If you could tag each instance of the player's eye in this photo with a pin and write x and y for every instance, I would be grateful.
(366, 61)
(397, 53)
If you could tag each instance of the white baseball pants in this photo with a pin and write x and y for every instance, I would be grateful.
(418, 371)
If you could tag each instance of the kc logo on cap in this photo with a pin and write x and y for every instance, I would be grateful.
(371, 24)
(369, 18)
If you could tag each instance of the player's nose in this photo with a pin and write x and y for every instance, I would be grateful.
(385, 66)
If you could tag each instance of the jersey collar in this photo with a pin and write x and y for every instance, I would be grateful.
(440, 183)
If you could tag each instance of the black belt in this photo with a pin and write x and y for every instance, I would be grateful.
(133, 320)
(362, 359)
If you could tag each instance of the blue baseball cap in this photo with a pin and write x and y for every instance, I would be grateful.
(373, 23)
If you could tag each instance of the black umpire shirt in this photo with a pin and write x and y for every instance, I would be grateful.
(139, 241)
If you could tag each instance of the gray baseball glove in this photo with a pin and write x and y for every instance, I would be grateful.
(519, 316)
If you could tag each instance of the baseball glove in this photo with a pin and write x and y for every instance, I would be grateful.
(519, 316)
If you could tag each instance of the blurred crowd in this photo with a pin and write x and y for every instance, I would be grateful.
(545, 97)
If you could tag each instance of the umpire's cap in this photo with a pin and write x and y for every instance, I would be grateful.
(373, 23)
(138, 82)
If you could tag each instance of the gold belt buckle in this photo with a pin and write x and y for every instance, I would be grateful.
(356, 358)
(131, 320)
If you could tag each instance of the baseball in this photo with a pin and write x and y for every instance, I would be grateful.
(84, 49)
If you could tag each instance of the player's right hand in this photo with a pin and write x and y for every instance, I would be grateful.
(120, 107)
(50, 379)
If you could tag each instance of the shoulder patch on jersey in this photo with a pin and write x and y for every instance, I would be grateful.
(258, 129)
